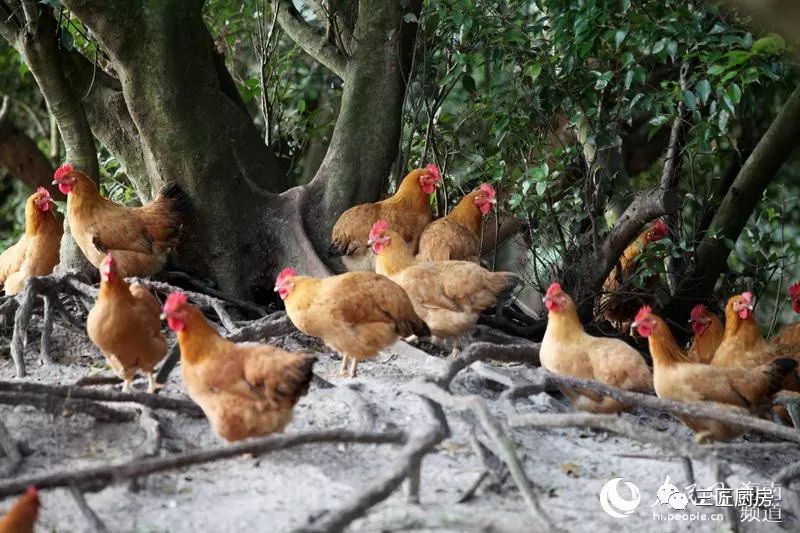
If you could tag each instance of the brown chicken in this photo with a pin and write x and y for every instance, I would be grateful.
(677, 378)
(568, 350)
(36, 253)
(787, 340)
(448, 295)
(742, 343)
(357, 313)
(457, 235)
(140, 237)
(124, 323)
(246, 389)
(620, 299)
(23, 514)
(408, 211)
(708, 333)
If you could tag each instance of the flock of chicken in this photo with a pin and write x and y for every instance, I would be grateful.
(410, 276)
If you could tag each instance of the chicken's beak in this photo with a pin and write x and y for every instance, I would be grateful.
(162, 316)
(493, 201)
(634, 325)
(55, 182)
(547, 299)
(370, 242)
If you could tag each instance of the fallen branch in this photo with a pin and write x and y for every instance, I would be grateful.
(97, 478)
(527, 352)
(505, 449)
(96, 525)
(72, 393)
(47, 330)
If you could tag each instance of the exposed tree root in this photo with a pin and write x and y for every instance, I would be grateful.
(11, 451)
(95, 524)
(64, 406)
(97, 478)
(72, 394)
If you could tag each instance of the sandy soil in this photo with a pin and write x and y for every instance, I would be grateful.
(283, 491)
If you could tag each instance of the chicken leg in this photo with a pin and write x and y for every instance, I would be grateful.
(343, 370)
(152, 384)
(353, 365)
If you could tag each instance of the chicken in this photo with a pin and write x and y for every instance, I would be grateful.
(742, 344)
(408, 211)
(124, 323)
(448, 295)
(23, 514)
(246, 389)
(708, 331)
(36, 253)
(677, 378)
(787, 340)
(568, 350)
(457, 235)
(357, 313)
(140, 237)
(620, 299)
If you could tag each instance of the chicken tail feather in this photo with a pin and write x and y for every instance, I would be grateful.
(777, 371)
(179, 199)
(337, 249)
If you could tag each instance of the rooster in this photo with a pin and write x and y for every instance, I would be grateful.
(457, 235)
(678, 378)
(23, 514)
(124, 323)
(246, 389)
(408, 211)
(568, 350)
(620, 300)
(708, 332)
(448, 295)
(36, 253)
(140, 237)
(357, 313)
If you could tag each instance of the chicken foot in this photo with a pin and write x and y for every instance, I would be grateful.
(152, 384)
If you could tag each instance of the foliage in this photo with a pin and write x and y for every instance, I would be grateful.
(564, 105)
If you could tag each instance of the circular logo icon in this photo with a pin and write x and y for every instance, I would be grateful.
(614, 504)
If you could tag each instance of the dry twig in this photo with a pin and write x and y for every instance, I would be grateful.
(96, 525)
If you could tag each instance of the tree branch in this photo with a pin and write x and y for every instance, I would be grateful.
(312, 42)
(769, 155)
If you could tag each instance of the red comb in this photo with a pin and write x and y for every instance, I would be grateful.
(174, 300)
(379, 227)
(698, 311)
(434, 170)
(643, 313)
(747, 297)
(554, 288)
(42, 190)
(794, 290)
(286, 273)
(488, 189)
(62, 171)
(109, 259)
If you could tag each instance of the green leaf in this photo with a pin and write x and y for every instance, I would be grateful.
(672, 49)
(619, 37)
(301, 106)
(659, 120)
(628, 79)
(468, 82)
(659, 46)
(703, 90)
(534, 70)
(734, 93)
(409, 18)
(690, 100)
(715, 70)
(769, 45)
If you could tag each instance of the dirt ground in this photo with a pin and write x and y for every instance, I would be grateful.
(282, 491)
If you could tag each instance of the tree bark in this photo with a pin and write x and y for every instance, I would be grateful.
(20, 156)
(365, 139)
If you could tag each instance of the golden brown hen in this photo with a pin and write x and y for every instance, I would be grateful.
(246, 389)
(140, 237)
(36, 253)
